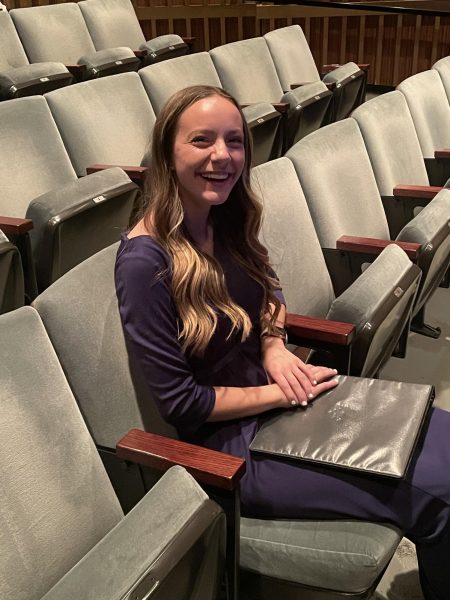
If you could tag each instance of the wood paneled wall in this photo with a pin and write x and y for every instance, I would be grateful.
(396, 45)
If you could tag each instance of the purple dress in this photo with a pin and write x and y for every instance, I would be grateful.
(181, 385)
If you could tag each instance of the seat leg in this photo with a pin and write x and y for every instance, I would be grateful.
(418, 325)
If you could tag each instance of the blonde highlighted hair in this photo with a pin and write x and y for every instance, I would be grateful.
(198, 282)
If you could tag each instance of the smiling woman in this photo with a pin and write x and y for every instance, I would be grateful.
(204, 314)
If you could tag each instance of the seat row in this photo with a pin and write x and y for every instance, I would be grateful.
(45, 47)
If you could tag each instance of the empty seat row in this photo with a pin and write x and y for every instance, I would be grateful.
(65, 40)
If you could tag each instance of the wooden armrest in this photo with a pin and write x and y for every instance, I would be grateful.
(332, 332)
(375, 246)
(442, 153)
(12, 226)
(206, 466)
(76, 70)
(140, 53)
(134, 173)
(189, 40)
(416, 191)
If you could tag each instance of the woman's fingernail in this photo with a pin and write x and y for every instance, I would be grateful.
(304, 403)
(294, 402)
(310, 396)
(314, 382)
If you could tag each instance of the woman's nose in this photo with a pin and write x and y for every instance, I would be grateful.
(220, 150)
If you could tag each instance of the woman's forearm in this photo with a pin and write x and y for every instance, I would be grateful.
(235, 403)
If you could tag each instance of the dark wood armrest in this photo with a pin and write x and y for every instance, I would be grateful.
(140, 53)
(442, 153)
(188, 40)
(332, 332)
(12, 226)
(416, 191)
(77, 70)
(134, 173)
(375, 246)
(206, 466)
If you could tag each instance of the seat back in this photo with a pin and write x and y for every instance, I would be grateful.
(33, 159)
(431, 229)
(442, 66)
(430, 110)
(163, 79)
(53, 33)
(56, 500)
(288, 234)
(114, 110)
(82, 318)
(391, 141)
(11, 276)
(292, 56)
(339, 185)
(12, 53)
(252, 57)
(112, 23)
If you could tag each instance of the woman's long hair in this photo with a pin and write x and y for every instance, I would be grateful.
(198, 282)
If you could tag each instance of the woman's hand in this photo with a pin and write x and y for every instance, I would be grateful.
(298, 381)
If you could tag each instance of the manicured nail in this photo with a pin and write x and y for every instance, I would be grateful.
(314, 382)
(304, 403)
(311, 396)
(294, 402)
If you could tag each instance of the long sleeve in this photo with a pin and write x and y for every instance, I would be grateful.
(149, 318)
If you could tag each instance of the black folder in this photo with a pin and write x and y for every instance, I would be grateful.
(367, 425)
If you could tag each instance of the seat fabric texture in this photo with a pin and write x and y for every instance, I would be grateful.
(12, 54)
(33, 159)
(11, 276)
(391, 141)
(53, 33)
(89, 341)
(54, 488)
(341, 73)
(119, 130)
(163, 79)
(110, 55)
(442, 66)
(28, 73)
(63, 533)
(165, 44)
(339, 185)
(288, 234)
(430, 110)
(112, 23)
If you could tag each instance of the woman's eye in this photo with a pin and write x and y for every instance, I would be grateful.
(236, 141)
(200, 139)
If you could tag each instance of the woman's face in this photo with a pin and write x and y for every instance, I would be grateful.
(208, 153)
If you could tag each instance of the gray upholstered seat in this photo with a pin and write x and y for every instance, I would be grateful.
(442, 66)
(63, 535)
(12, 293)
(295, 64)
(81, 316)
(58, 33)
(114, 23)
(17, 77)
(163, 80)
(288, 233)
(72, 218)
(430, 111)
(337, 178)
(96, 129)
(307, 104)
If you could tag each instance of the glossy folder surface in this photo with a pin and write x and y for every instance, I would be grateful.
(364, 424)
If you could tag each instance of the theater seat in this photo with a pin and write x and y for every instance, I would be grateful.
(12, 293)
(63, 535)
(55, 219)
(370, 301)
(58, 33)
(108, 121)
(114, 23)
(442, 66)
(295, 65)
(17, 77)
(81, 316)
(163, 80)
(339, 185)
(306, 105)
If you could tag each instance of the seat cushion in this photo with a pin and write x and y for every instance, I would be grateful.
(341, 73)
(104, 57)
(346, 556)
